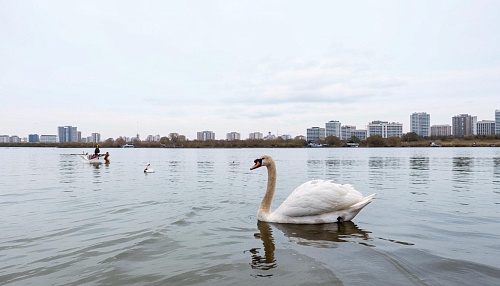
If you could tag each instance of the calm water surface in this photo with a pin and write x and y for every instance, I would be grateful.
(435, 220)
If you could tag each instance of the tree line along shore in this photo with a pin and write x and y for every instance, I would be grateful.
(407, 140)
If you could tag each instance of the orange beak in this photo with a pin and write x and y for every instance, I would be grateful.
(258, 163)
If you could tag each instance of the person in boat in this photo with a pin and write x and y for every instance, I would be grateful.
(106, 158)
(97, 151)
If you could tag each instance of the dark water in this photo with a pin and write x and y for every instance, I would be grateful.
(435, 220)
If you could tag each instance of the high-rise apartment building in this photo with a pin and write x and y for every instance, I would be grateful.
(315, 133)
(67, 134)
(33, 138)
(485, 127)
(233, 136)
(205, 136)
(95, 137)
(497, 121)
(420, 123)
(385, 129)
(332, 128)
(441, 130)
(463, 125)
(256, 136)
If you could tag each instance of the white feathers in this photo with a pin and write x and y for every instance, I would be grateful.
(148, 169)
(313, 202)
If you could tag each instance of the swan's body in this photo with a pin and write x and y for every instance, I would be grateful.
(148, 170)
(313, 202)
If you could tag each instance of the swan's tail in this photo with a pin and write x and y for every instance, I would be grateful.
(361, 204)
(357, 207)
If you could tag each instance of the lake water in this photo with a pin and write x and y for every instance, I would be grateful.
(435, 220)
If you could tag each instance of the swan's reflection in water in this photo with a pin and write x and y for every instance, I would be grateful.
(265, 261)
(325, 235)
(322, 236)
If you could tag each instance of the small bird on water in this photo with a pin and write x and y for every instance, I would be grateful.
(148, 170)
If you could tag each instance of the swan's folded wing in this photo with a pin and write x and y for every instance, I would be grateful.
(318, 197)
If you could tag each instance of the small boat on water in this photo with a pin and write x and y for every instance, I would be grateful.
(128, 146)
(93, 159)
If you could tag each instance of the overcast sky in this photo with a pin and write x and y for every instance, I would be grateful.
(155, 67)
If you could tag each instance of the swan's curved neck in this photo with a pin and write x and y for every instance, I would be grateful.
(265, 205)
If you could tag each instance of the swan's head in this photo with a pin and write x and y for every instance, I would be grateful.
(264, 160)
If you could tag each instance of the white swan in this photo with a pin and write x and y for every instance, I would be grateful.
(148, 170)
(313, 202)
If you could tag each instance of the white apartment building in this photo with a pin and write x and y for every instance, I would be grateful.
(233, 136)
(361, 134)
(15, 139)
(4, 138)
(420, 123)
(385, 129)
(95, 137)
(205, 136)
(67, 134)
(441, 130)
(485, 127)
(256, 136)
(332, 128)
(315, 133)
(48, 138)
(497, 121)
(346, 132)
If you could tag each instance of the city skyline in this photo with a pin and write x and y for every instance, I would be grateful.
(331, 127)
(281, 66)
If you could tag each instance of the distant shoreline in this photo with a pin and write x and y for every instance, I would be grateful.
(386, 143)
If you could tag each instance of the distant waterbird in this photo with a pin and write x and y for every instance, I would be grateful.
(148, 169)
